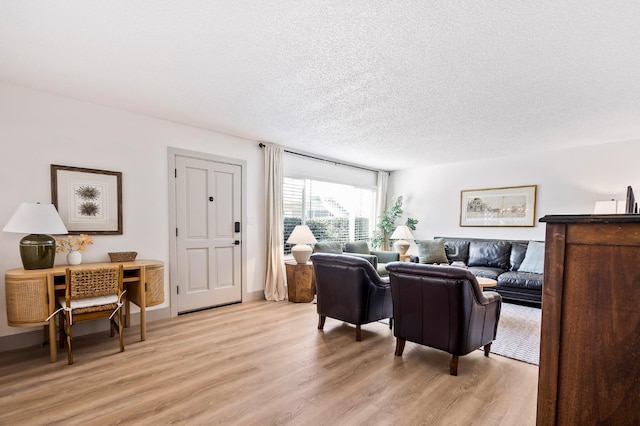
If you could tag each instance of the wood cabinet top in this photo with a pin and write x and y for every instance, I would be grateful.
(592, 218)
(60, 269)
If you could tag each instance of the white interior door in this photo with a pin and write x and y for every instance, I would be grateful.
(208, 233)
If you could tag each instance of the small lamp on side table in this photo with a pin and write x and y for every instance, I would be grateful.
(401, 234)
(301, 237)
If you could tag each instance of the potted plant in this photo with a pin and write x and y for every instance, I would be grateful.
(387, 224)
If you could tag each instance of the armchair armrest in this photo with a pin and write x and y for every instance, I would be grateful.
(386, 256)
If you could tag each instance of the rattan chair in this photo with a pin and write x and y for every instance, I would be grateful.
(91, 293)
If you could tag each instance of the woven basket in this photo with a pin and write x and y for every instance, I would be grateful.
(123, 256)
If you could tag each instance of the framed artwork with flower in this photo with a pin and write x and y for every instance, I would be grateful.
(89, 201)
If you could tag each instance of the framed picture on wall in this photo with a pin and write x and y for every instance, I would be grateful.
(89, 201)
(509, 206)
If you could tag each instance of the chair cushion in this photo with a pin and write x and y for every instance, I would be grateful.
(534, 258)
(328, 247)
(89, 302)
(357, 247)
(494, 254)
(432, 251)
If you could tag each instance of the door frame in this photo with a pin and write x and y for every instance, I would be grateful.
(173, 252)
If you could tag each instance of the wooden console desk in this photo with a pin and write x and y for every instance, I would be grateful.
(31, 294)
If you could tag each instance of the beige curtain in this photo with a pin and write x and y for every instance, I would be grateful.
(275, 278)
(381, 199)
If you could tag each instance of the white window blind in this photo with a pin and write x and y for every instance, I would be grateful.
(333, 211)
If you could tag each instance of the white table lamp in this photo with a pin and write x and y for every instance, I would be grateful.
(401, 234)
(301, 237)
(38, 249)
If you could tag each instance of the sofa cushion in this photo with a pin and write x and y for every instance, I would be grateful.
(357, 247)
(534, 258)
(432, 251)
(328, 247)
(494, 254)
(486, 271)
(457, 250)
(519, 279)
(518, 250)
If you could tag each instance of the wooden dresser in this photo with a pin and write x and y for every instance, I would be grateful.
(590, 339)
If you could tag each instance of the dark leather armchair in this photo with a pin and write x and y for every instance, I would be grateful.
(442, 307)
(350, 290)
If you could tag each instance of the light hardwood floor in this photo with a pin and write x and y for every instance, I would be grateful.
(261, 363)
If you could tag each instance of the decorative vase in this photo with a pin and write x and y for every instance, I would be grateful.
(74, 257)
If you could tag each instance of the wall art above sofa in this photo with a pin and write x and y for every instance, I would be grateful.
(510, 206)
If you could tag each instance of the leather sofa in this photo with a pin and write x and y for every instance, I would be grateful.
(350, 290)
(378, 258)
(442, 307)
(500, 260)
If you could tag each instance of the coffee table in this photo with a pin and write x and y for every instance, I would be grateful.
(486, 283)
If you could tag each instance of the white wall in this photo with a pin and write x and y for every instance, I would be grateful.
(39, 129)
(569, 182)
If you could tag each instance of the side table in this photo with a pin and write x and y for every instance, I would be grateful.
(486, 283)
(301, 284)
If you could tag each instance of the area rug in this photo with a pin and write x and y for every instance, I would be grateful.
(518, 334)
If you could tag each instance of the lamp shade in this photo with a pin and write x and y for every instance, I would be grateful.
(301, 236)
(402, 232)
(32, 218)
(38, 249)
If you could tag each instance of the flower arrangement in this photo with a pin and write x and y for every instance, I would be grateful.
(72, 243)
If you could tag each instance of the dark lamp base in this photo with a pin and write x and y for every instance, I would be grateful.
(38, 251)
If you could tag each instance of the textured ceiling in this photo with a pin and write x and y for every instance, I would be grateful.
(391, 85)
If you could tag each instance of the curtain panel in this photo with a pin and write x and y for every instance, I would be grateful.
(274, 288)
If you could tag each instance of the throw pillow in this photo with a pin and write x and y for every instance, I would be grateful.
(534, 259)
(432, 251)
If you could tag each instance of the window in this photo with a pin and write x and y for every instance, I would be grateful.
(333, 212)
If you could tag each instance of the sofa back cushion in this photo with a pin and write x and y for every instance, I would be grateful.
(357, 247)
(431, 251)
(457, 250)
(494, 254)
(328, 247)
(518, 250)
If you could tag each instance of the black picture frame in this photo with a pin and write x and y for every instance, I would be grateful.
(89, 201)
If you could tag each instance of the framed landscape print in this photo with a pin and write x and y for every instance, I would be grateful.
(89, 201)
(510, 206)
